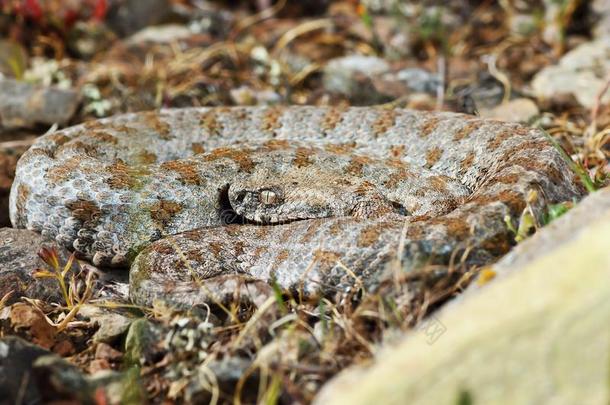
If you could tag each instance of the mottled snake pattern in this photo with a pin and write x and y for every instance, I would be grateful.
(313, 198)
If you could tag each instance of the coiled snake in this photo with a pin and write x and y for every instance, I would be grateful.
(311, 192)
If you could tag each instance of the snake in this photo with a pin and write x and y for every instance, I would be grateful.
(311, 198)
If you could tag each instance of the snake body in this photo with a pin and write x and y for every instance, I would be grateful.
(350, 183)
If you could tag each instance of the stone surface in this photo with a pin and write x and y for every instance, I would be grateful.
(224, 374)
(111, 327)
(30, 374)
(16, 359)
(19, 258)
(538, 333)
(140, 341)
(10, 151)
(581, 72)
(25, 105)
(517, 110)
(128, 16)
(406, 83)
(351, 76)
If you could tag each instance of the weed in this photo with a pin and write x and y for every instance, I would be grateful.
(78, 289)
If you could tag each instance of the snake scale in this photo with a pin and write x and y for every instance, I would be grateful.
(311, 197)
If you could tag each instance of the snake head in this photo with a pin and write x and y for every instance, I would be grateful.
(304, 194)
(258, 204)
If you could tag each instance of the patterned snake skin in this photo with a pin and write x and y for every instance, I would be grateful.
(318, 197)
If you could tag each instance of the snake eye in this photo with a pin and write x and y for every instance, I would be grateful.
(268, 197)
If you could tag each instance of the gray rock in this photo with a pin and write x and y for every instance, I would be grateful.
(16, 359)
(30, 374)
(19, 257)
(25, 104)
(128, 16)
(140, 343)
(581, 72)
(418, 80)
(224, 374)
(111, 327)
(58, 379)
(351, 76)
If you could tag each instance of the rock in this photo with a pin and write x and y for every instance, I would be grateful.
(224, 374)
(351, 77)
(106, 357)
(486, 92)
(58, 379)
(580, 72)
(25, 105)
(16, 359)
(601, 9)
(118, 388)
(19, 257)
(517, 110)
(419, 80)
(128, 16)
(537, 333)
(406, 82)
(111, 327)
(140, 343)
(10, 152)
(30, 374)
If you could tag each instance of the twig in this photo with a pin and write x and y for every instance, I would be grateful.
(490, 60)
(597, 104)
(17, 144)
(442, 85)
(301, 29)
